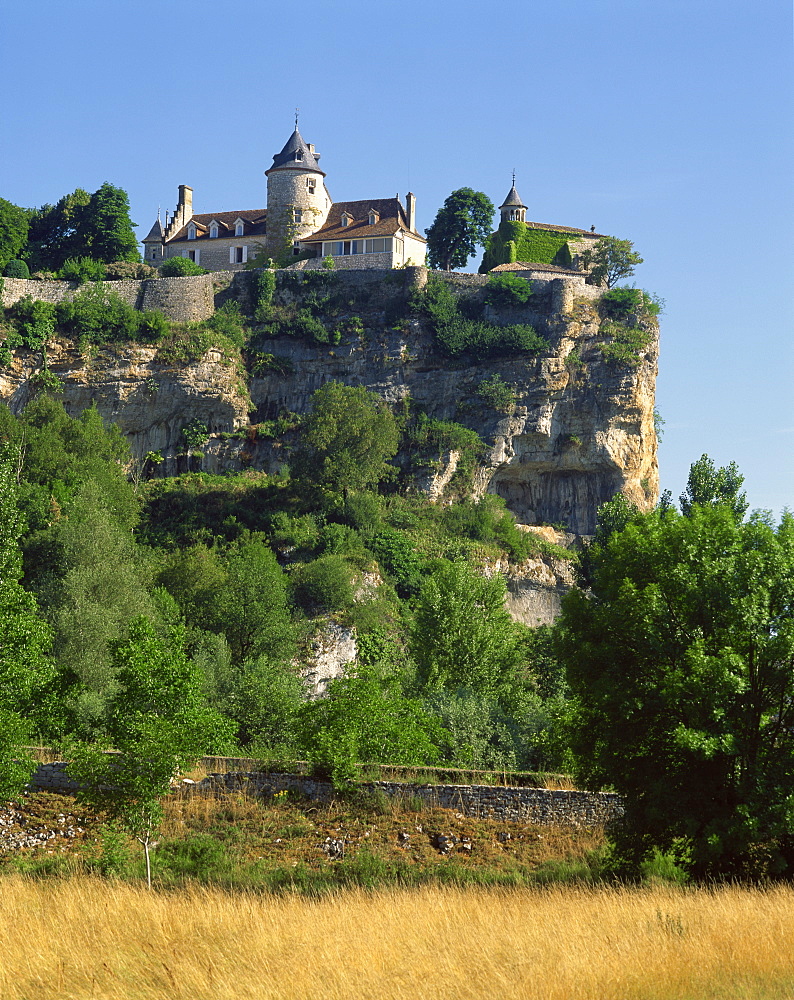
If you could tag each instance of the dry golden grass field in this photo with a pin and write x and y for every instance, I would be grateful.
(77, 938)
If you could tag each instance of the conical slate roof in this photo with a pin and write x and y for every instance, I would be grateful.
(155, 234)
(296, 155)
(513, 199)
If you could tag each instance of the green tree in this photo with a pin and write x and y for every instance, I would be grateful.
(347, 440)
(681, 661)
(462, 634)
(27, 674)
(100, 584)
(105, 226)
(367, 719)
(54, 232)
(251, 604)
(611, 260)
(159, 724)
(707, 485)
(14, 224)
(83, 225)
(461, 225)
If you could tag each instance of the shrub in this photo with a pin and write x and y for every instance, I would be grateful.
(195, 434)
(308, 327)
(180, 267)
(265, 288)
(326, 583)
(457, 334)
(97, 314)
(497, 393)
(16, 269)
(34, 322)
(398, 556)
(507, 290)
(125, 269)
(82, 269)
(229, 321)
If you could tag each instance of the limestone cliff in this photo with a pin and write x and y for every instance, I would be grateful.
(579, 427)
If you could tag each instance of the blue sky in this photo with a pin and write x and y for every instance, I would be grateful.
(667, 122)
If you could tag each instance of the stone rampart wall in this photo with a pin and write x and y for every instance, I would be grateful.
(544, 806)
(180, 299)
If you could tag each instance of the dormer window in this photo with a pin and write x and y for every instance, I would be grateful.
(298, 154)
(191, 232)
(373, 217)
(346, 219)
(213, 230)
(239, 226)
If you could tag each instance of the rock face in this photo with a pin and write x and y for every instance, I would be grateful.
(151, 401)
(580, 427)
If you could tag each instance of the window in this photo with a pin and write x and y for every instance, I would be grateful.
(345, 248)
(238, 255)
(214, 231)
(153, 253)
(191, 255)
(298, 154)
(311, 184)
(346, 219)
(373, 217)
(238, 228)
(191, 232)
(297, 214)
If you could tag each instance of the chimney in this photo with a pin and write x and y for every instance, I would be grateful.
(410, 203)
(185, 206)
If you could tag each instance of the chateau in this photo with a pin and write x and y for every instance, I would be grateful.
(300, 220)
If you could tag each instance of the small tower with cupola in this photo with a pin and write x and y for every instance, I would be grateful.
(297, 200)
(512, 208)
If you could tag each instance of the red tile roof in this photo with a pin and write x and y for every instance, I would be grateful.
(391, 214)
(254, 220)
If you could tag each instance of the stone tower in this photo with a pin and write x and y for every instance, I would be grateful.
(512, 208)
(297, 200)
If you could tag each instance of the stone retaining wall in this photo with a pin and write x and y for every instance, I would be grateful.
(543, 806)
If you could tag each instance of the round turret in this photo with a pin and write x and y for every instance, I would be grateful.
(297, 200)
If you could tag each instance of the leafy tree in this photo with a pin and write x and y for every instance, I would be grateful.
(681, 661)
(347, 439)
(463, 635)
(367, 719)
(14, 223)
(105, 226)
(103, 586)
(264, 698)
(461, 225)
(16, 764)
(251, 604)
(27, 674)
(54, 232)
(83, 225)
(159, 724)
(611, 260)
(709, 486)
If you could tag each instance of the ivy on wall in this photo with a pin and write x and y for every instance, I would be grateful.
(536, 246)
